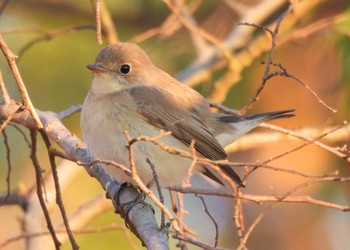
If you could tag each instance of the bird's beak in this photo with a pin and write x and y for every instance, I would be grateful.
(97, 67)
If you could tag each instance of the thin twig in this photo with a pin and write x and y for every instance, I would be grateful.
(22, 133)
(9, 165)
(144, 188)
(319, 26)
(161, 197)
(11, 60)
(97, 5)
(193, 28)
(180, 212)
(39, 179)
(104, 22)
(238, 215)
(126, 170)
(5, 95)
(307, 142)
(259, 199)
(168, 28)
(69, 111)
(186, 182)
(315, 141)
(285, 73)
(89, 230)
(322, 133)
(281, 198)
(202, 160)
(206, 210)
(59, 200)
(198, 41)
(196, 243)
(257, 220)
(312, 182)
(245, 46)
(267, 74)
(77, 151)
(47, 36)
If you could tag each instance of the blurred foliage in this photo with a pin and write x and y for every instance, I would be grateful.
(343, 40)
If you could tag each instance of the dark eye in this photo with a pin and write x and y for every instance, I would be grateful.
(125, 69)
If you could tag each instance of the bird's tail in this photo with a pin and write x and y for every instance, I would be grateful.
(243, 124)
(258, 118)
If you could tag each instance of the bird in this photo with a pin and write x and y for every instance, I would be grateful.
(130, 93)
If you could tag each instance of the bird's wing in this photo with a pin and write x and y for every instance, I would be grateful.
(166, 111)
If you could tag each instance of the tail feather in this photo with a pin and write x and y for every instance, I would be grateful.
(258, 117)
(241, 125)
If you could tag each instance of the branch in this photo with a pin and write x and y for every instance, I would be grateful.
(39, 191)
(89, 230)
(5, 95)
(257, 139)
(141, 217)
(14, 199)
(11, 60)
(97, 7)
(259, 199)
(197, 33)
(58, 191)
(48, 35)
(9, 164)
(3, 6)
(104, 21)
(239, 42)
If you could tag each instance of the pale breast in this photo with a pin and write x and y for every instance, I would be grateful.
(103, 125)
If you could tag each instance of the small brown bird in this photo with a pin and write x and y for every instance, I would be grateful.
(129, 93)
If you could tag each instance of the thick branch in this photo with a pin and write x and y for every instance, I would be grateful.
(141, 217)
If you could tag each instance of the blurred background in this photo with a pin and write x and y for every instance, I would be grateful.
(54, 72)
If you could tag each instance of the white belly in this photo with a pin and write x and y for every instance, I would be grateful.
(106, 140)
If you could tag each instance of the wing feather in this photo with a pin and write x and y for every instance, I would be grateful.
(163, 111)
(167, 112)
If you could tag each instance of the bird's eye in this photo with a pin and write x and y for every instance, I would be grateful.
(125, 69)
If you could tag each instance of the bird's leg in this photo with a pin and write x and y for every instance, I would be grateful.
(126, 207)
(161, 198)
